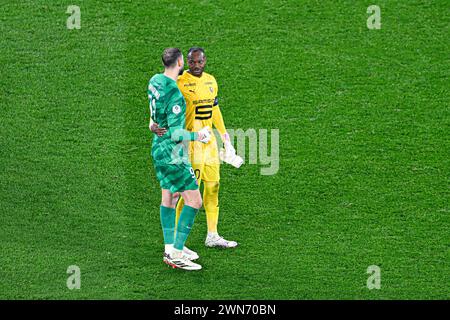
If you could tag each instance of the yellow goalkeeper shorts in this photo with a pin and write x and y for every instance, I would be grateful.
(205, 160)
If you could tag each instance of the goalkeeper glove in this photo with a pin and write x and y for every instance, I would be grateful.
(204, 135)
(228, 154)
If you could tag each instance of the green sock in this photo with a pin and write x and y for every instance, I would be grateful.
(167, 216)
(185, 223)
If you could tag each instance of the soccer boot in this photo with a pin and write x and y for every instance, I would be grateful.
(190, 254)
(180, 262)
(216, 241)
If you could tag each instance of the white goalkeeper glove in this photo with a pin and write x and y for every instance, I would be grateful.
(228, 154)
(204, 135)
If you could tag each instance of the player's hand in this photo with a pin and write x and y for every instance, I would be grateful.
(154, 127)
(204, 135)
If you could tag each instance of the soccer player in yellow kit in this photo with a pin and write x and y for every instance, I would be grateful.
(200, 91)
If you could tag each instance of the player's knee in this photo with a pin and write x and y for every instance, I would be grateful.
(170, 202)
(211, 188)
(195, 202)
(211, 195)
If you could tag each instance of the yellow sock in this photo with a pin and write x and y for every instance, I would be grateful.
(178, 209)
(211, 204)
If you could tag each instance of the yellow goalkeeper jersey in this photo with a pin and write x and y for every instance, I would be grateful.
(200, 94)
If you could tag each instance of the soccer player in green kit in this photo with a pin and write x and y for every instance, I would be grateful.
(171, 161)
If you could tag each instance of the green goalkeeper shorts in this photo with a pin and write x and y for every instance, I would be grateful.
(176, 177)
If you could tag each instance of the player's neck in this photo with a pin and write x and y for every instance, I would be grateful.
(171, 73)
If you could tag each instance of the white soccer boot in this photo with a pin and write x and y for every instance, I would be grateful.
(190, 254)
(187, 253)
(178, 260)
(216, 241)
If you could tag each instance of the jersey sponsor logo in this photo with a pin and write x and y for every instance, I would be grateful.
(189, 84)
(208, 83)
(203, 101)
(176, 109)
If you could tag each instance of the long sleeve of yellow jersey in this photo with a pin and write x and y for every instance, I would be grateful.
(218, 120)
(217, 117)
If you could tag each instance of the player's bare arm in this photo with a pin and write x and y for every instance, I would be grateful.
(156, 129)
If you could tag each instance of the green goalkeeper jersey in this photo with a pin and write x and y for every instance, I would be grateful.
(168, 109)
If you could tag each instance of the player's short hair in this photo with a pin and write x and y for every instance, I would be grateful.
(170, 56)
(195, 49)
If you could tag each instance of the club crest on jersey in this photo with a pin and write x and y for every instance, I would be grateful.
(211, 89)
(176, 109)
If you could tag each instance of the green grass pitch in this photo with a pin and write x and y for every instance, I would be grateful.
(363, 117)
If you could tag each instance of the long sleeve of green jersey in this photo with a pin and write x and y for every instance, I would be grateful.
(176, 119)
